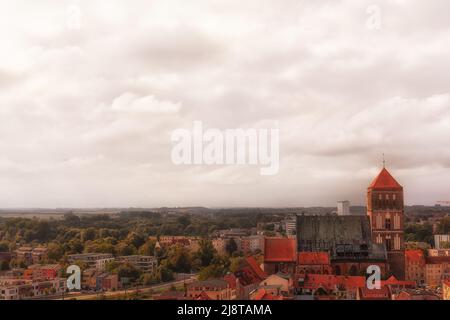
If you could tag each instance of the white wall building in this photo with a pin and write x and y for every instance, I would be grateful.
(343, 208)
(439, 239)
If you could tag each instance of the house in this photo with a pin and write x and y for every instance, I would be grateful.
(232, 281)
(283, 281)
(364, 293)
(41, 272)
(437, 269)
(20, 289)
(263, 294)
(280, 254)
(144, 263)
(446, 290)
(415, 266)
(416, 295)
(216, 289)
(248, 278)
(331, 286)
(89, 258)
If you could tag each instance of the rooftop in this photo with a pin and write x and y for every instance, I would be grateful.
(385, 181)
(280, 250)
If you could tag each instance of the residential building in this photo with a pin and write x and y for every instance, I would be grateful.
(440, 240)
(220, 245)
(282, 281)
(437, 269)
(144, 263)
(248, 278)
(252, 243)
(264, 294)
(410, 294)
(28, 289)
(5, 257)
(415, 266)
(107, 282)
(41, 272)
(216, 289)
(291, 226)
(439, 252)
(365, 293)
(89, 258)
(100, 264)
(446, 290)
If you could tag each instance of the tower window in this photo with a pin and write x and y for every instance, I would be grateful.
(388, 224)
(388, 245)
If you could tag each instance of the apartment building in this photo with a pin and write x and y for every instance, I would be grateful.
(215, 289)
(30, 255)
(144, 263)
(89, 258)
(15, 289)
(41, 272)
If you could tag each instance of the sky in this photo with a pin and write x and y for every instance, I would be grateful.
(91, 91)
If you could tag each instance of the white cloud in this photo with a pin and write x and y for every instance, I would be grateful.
(86, 114)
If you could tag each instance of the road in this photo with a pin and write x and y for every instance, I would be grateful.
(91, 296)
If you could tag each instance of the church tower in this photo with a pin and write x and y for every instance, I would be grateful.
(386, 212)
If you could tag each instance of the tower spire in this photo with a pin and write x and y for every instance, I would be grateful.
(384, 162)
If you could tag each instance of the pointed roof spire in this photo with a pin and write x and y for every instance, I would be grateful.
(385, 181)
(384, 162)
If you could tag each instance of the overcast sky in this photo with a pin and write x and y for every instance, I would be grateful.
(90, 92)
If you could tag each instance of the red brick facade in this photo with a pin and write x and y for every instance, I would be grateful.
(386, 211)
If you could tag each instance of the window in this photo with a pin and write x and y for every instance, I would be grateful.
(388, 224)
(388, 244)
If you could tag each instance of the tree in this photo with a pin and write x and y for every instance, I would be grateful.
(4, 265)
(4, 246)
(55, 251)
(179, 259)
(231, 246)
(148, 248)
(445, 245)
(206, 252)
(125, 249)
(88, 234)
(127, 270)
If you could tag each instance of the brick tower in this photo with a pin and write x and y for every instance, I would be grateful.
(386, 212)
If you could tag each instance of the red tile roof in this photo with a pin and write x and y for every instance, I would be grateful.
(437, 260)
(330, 282)
(385, 181)
(262, 294)
(231, 279)
(374, 294)
(313, 258)
(280, 250)
(255, 267)
(414, 256)
(393, 281)
(203, 296)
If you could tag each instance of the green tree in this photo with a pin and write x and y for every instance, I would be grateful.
(148, 248)
(231, 246)
(179, 259)
(206, 252)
